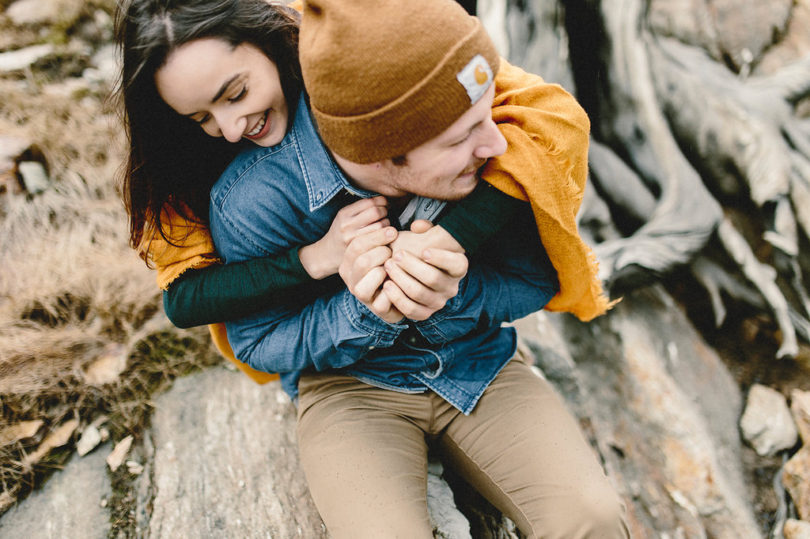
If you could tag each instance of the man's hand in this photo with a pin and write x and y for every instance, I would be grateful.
(323, 257)
(428, 265)
(418, 287)
(363, 272)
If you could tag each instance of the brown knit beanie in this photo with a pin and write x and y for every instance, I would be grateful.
(385, 76)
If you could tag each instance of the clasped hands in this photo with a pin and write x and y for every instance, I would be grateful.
(396, 274)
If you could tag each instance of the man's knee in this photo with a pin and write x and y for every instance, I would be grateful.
(587, 513)
(604, 516)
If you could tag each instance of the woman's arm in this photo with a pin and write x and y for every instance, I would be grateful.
(221, 293)
(226, 292)
(477, 218)
(467, 225)
(509, 279)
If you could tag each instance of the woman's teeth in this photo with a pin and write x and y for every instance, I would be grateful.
(258, 129)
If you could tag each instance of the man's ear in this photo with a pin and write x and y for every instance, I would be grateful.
(358, 171)
(399, 160)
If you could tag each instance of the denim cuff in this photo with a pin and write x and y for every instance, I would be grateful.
(431, 329)
(364, 320)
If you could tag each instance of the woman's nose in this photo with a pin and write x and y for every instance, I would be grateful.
(230, 126)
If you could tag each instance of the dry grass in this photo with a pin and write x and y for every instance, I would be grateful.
(72, 292)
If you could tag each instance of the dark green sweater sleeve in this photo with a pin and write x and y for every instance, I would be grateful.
(475, 219)
(229, 292)
(223, 293)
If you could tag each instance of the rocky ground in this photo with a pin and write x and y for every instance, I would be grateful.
(219, 460)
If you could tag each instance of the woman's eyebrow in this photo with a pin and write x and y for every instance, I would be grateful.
(224, 88)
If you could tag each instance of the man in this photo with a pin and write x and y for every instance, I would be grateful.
(410, 350)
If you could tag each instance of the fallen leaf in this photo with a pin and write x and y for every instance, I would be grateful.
(108, 366)
(20, 431)
(135, 468)
(100, 420)
(6, 499)
(57, 438)
(90, 439)
(34, 176)
(119, 452)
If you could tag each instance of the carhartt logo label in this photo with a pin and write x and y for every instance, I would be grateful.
(476, 77)
(480, 75)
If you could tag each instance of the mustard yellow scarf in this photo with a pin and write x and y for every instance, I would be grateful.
(546, 163)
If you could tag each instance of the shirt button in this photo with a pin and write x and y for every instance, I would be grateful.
(411, 340)
(371, 347)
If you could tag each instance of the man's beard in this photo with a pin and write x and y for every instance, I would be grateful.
(453, 197)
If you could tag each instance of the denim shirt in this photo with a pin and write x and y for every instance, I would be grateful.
(272, 199)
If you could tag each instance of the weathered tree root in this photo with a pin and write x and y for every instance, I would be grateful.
(685, 214)
(673, 127)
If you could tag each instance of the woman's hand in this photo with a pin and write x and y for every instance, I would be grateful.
(322, 258)
(363, 272)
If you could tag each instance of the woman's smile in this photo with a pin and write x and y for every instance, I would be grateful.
(261, 128)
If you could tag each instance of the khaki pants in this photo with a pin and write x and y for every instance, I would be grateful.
(364, 452)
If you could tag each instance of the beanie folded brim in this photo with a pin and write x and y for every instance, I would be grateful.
(423, 112)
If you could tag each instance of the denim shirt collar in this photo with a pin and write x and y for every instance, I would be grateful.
(315, 158)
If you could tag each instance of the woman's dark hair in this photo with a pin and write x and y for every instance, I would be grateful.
(171, 160)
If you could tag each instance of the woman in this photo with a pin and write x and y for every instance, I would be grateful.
(173, 163)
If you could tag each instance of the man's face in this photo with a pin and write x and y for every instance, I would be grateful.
(444, 167)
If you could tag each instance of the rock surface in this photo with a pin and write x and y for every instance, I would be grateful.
(800, 408)
(766, 423)
(220, 460)
(662, 412)
(224, 462)
(795, 477)
(796, 529)
(71, 504)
